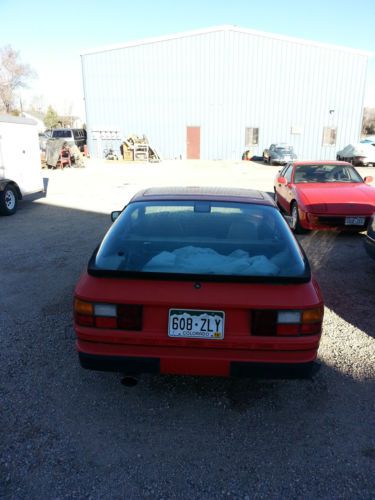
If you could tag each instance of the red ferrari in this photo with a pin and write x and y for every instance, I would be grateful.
(199, 281)
(325, 195)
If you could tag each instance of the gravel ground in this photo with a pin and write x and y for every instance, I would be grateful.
(70, 433)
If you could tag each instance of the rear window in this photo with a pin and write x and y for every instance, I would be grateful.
(62, 133)
(204, 238)
(284, 150)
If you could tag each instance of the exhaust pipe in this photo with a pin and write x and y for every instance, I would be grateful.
(129, 380)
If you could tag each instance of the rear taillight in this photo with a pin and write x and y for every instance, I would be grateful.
(109, 316)
(287, 323)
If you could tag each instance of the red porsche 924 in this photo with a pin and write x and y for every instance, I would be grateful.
(325, 195)
(198, 281)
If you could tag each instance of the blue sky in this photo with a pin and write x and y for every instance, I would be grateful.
(50, 35)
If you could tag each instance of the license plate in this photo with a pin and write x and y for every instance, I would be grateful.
(192, 323)
(355, 221)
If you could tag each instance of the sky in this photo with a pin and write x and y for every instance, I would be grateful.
(50, 36)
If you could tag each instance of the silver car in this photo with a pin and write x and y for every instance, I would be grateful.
(359, 154)
(279, 154)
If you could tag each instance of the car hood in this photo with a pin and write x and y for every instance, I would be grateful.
(336, 198)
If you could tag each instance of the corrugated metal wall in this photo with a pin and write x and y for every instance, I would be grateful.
(224, 81)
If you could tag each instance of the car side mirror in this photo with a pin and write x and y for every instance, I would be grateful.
(368, 179)
(282, 180)
(115, 215)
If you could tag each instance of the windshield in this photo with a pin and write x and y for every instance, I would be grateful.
(201, 237)
(326, 173)
(284, 150)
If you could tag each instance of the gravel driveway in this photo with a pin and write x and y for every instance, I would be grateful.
(70, 433)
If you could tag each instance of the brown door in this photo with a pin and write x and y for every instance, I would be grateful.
(193, 143)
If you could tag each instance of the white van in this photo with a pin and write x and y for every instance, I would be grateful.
(20, 166)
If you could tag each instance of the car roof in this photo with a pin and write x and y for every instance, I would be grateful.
(321, 162)
(238, 195)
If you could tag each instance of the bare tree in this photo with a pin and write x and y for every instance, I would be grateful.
(38, 103)
(368, 124)
(13, 75)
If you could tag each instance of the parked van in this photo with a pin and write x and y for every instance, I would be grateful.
(75, 136)
(20, 166)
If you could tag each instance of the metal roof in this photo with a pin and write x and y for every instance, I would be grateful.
(228, 27)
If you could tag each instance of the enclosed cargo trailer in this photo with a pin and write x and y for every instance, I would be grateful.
(20, 165)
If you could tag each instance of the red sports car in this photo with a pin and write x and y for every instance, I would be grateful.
(325, 195)
(198, 281)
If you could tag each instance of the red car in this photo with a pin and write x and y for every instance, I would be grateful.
(198, 281)
(325, 195)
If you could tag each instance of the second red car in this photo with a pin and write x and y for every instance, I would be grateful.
(325, 195)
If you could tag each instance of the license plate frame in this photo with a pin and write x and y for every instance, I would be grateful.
(355, 221)
(198, 324)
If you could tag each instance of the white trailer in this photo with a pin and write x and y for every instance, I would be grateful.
(20, 165)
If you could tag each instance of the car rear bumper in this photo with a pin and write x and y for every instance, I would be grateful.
(189, 361)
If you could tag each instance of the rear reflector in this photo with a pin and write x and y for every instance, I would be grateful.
(103, 322)
(84, 320)
(264, 322)
(311, 328)
(287, 330)
(129, 316)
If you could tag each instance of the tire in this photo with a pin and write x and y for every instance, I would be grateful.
(296, 226)
(8, 200)
(338, 158)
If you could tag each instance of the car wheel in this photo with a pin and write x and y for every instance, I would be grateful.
(8, 201)
(269, 161)
(338, 158)
(295, 224)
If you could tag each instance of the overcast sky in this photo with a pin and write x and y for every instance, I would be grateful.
(50, 36)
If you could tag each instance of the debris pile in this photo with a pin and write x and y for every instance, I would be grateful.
(137, 148)
(55, 149)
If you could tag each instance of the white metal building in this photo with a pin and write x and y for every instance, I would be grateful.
(211, 93)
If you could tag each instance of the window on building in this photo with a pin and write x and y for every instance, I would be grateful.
(251, 136)
(329, 136)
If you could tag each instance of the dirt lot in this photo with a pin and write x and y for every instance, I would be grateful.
(69, 433)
